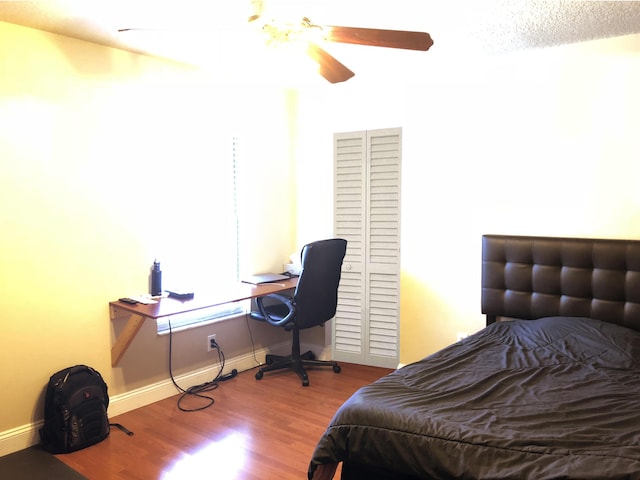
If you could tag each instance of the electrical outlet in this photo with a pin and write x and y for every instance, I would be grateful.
(211, 339)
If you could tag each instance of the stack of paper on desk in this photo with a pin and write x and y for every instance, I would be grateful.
(265, 278)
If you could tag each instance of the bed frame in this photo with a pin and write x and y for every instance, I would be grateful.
(527, 278)
(533, 277)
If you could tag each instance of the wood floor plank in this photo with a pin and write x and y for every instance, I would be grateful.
(256, 430)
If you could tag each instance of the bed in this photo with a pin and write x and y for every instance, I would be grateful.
(549, 389)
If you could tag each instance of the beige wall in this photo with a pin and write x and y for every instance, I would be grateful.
(541, 142)
(104, 159)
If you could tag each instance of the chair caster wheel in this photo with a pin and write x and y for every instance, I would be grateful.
(259, 375)
(337, 369)
(305, 383)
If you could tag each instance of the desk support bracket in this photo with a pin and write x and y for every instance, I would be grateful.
(133, 325)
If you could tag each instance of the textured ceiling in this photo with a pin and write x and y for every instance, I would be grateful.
(490, 26)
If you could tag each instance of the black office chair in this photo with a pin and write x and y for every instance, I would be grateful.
(314, 302)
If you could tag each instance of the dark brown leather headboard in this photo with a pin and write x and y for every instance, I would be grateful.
(534, 277)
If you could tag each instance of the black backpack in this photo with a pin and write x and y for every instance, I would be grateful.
(75, 410)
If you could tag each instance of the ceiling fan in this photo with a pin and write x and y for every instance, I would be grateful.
(306, 32)
(330, 67)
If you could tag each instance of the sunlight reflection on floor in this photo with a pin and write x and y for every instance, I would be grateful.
(222, 459)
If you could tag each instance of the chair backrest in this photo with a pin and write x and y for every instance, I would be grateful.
(316, 296)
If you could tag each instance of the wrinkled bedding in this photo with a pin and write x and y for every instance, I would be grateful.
(551, 398)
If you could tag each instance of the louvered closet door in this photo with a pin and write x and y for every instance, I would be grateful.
(367, 215)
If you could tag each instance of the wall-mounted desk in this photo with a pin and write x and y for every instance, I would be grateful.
(137, 314)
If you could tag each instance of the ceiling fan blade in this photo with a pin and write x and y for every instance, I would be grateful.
(330, 68)
(379, 38)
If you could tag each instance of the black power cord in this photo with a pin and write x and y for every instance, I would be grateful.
(253, 345)
(199, 390)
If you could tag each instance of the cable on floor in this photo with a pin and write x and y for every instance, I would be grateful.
(198, 390)
(247, 316)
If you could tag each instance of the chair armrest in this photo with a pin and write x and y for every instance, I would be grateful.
(282, 299)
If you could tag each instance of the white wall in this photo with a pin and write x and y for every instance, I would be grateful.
(541, 142)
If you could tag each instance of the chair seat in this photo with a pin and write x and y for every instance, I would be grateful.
(276, 312)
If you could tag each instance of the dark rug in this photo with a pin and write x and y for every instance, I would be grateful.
(35, 464)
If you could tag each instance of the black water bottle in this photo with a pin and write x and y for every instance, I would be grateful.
(156, 279)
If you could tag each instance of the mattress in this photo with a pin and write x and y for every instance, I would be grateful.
(556, 397)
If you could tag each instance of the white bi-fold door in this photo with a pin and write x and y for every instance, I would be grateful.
(367, 214)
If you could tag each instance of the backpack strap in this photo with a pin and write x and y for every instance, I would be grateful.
(119, 426)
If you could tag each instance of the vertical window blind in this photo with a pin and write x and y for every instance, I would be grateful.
(224, 250)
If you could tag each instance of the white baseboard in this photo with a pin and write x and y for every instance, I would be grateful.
(27, 435)
(19, 438)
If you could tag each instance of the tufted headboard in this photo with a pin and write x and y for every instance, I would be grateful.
(533, 277)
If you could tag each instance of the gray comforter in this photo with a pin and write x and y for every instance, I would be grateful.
(543, 399)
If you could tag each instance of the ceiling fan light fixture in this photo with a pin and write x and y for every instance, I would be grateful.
(283, 32)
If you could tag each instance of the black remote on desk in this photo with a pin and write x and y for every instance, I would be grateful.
(130, 301)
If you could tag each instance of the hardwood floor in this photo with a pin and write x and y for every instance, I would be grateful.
(258, 430)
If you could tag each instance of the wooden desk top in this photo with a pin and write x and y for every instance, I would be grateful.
(236, 292)
(170, 306)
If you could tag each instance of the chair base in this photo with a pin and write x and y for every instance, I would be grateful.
(297, 364)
